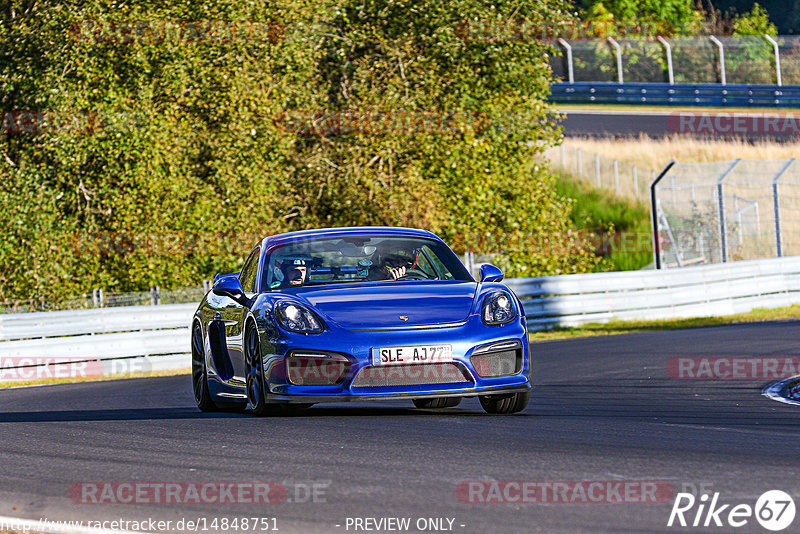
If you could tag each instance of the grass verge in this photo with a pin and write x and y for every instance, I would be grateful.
(628, 327)
(600, 212)
(140, 374)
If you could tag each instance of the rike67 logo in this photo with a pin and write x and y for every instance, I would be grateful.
(774, 510)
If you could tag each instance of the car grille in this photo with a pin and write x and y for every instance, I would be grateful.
(497, 363)
(410, 375)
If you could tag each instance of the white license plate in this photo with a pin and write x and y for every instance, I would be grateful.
(412, 354)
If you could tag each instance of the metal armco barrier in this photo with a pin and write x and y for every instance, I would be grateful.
(665, 94)
(159, 335)
(118, 340)
(711, 290)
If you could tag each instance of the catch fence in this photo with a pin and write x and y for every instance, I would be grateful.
(720, 212)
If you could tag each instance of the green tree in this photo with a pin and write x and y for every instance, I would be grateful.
(668, 17)
(185, 157)
(756, 22)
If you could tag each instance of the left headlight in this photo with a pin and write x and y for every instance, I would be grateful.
(498, 308)
(297, 318)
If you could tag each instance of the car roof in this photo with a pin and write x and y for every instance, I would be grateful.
(281, 239)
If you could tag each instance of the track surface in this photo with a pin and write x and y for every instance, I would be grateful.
(700, 123)
(603, 409)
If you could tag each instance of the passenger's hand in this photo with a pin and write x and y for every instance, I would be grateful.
(397, 272)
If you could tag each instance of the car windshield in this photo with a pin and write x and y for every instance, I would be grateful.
(360, 259)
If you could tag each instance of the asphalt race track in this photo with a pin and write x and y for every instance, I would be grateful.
(757, 125)
(604, 409)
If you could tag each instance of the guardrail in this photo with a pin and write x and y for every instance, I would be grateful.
(722, 289)
(665, 94)
(93, 342)
(157, 337)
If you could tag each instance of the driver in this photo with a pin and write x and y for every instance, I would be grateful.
(295, 272)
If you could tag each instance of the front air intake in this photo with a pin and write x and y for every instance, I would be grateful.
(497, 359)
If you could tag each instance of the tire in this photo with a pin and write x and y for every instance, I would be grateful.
(437, 402)
(254, 372)
(505, 404)
(200, 373)
(256, 386)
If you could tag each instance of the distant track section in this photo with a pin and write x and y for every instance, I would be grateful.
(753, 126)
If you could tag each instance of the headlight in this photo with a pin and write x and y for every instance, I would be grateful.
(297, 318)
(498, 308)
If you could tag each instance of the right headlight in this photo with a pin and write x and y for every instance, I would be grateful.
(295, 317)
(498, 308)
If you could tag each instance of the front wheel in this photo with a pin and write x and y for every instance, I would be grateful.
(505, 404)
(256, 385)
(437, 402)
(254, 373)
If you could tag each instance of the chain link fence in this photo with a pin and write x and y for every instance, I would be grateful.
(99, 299)
(619, 177)
(705, 59)
(726, 211)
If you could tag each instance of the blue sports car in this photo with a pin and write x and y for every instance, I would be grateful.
(351, 314)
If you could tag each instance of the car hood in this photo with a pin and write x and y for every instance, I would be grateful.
(378, 305)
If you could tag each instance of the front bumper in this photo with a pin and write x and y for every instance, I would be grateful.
(315, 399)
(356, 346)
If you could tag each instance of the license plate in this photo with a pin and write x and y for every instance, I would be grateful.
(412, 354)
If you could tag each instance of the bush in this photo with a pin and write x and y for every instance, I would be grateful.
(180, 154)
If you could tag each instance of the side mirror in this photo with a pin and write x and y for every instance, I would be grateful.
(490, 273)
(229, 286)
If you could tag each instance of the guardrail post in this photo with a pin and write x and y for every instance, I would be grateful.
(568, 48)
(97, 298)
(618, 48)
(776, 206)
(777, 50)
(721, 47)
(207, 286)
(668, 48)
(723, 237)
(654, 213)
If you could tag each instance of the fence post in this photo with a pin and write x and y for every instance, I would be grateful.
(616, 46)
(654, 212)
(570, 70)
(597, 168)
(777, 50)
(668, 48)
(97, 298)
(469, 262)
(580, 163)
(672, 188)
(721, 47)
(776, 205)
(723, 237)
